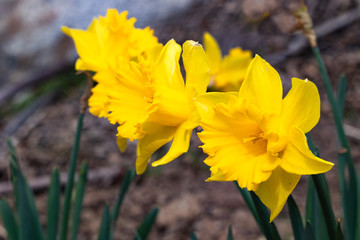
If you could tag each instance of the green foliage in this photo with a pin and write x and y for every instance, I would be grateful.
(144, 229)
(28, 217)
(295, 218)
(24, 223)
(53, 205)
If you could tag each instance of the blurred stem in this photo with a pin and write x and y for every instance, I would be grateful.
(70, 182)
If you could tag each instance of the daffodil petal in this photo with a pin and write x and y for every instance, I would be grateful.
(301, 106)
(233, 69)
(298, 159)
(206, 102)
(275, 191)
(213, 52)
(196, 67)
(88, 45)
(156, 137)
(121, 142)
(179, 145)
(262, 86)
(225, 139)
(99, 101)
(167, 68)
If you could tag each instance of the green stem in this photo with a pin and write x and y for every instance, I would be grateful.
(320, 186)
(70, 180)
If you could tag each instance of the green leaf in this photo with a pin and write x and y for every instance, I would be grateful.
(339, 233)
(295, 218)
(79, 197)
(249, 202)
(341, 94)
(230, 234)
(319, 182)
(193, 236)
(104, 232)
(129, 177)
(53, 205)
(269, 229)
(322, 190)
(29, 221)
(144, 229)
(308, 233)
(70, 180)
(349, 200)
(8, 219)
(314, 213)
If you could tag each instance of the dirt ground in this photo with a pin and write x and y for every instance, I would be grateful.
(186, 202)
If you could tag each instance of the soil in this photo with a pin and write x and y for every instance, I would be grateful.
(186, 202)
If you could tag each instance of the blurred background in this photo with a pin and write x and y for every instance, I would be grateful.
(40, 92)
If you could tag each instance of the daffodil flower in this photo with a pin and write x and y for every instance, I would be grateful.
(109, 38)
(150, 101)
(227, 73)
(257, 138)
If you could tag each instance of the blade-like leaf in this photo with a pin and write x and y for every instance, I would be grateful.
(29, 222)
(308, 233)
(230, 234)
(79, 197)
(53, 205)
(314, 213)
(104, 232)
(129, 177)
(269, 229)
(8, 219)
(193, 236)
(249, 202)
(144, 229)
(347, 181)
(341, 94)
(70, 180)
(295, 218)
(339, 232)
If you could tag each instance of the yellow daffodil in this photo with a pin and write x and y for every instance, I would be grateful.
(109, 38)
(108, 41)
(150, 101)
(227, 73)
(257, 138)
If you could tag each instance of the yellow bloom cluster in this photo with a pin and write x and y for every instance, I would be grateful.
(252, 136)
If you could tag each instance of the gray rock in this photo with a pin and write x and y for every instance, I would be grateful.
(30, 38)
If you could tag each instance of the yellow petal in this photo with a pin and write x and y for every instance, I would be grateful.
(262, 86)
(206, 102)
(196, 67)
(275, 191)
(99, 101)
(156, 137)
(121, 142)
(213, 52)
(167, 68)
(225, 141)
(301, 106)
(233, 69)
(170, 107)
(298, 159)
(88, 45)
(179, 145)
